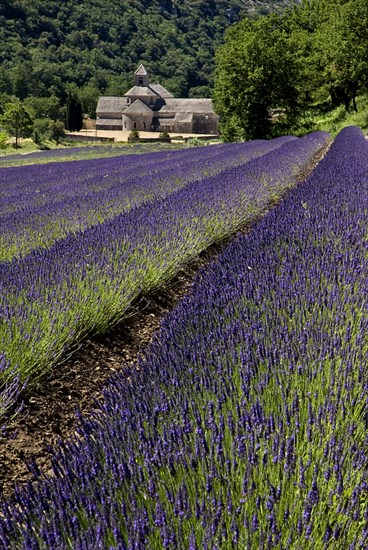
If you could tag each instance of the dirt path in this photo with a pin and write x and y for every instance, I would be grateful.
(121, 135)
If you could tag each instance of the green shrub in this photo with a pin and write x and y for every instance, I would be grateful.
(56, 131)
(3, 139)
(134, 135)
(41, 130)
(194, 142)
(165, 136)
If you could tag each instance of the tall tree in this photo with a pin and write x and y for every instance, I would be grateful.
(342, 45)
(74, 116)
(257, 73)
(16, 120)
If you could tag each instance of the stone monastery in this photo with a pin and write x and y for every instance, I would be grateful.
(151, 108)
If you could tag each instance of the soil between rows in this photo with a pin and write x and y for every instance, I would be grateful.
(76, 384)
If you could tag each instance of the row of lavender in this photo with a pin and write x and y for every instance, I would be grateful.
(40, 205)
(245, 426)
(54, 297)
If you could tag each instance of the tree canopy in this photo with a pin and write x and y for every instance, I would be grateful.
(16, 120)
(270, 70)
(257, 71)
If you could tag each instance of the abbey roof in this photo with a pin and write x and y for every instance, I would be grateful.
(110, 104)
(137, 107)
(141, 71)
(141, 91)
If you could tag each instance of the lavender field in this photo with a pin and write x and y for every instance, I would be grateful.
(43, 204)
(81, 241)
(246, 423)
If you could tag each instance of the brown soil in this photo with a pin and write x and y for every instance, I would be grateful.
(77, 383)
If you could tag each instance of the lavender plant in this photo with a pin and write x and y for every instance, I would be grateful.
(245, 425)
(54, 297)
(40, 205)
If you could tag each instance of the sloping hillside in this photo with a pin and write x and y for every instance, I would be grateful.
(46, 44)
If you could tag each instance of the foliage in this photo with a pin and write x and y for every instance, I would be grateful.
(56, 131)
(256, 72)
(3, 139)
(16, 120)
(194, 142)
(46, 45)
(74, 115)
(332, 120)
(134, 135)
(313, 53)
(342, 44)
(41, 130)
(165, 136)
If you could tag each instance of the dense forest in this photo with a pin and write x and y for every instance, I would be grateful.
(46, 46)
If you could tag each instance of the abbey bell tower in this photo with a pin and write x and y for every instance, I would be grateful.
(141, 77)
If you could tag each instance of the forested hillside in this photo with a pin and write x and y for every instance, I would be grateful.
(96, 44)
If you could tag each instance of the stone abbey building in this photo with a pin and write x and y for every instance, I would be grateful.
(151, 108)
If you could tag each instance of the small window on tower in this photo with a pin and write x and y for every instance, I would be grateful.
(140, 81)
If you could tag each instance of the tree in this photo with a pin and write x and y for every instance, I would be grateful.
(41, 130)
(41, 107)
(256, 74)
(57, 131)
(89, 97)
(134, 135)
(3, 139)
(74, 115)
(16, 120)
(5, 81)
(342, 45)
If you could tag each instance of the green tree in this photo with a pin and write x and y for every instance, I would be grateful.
(41, 130)
(342, 45)
(41, 107)
(16, 120)
(5, 81)
(57, 131)
(89, 97)
(4, 100)
(74, 115)
(3, 139)
(256, 74)
(134, 135)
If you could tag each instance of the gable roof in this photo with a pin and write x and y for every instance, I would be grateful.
(110, 104)
(137, 107)
(184, 105)
(160, 90)
(141, 91)
(141, 71)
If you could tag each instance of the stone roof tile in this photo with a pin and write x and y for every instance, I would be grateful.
(184, 105)
(141, 91)
(110, 104)
(160, 90)
(137, 107)
(141, 70)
